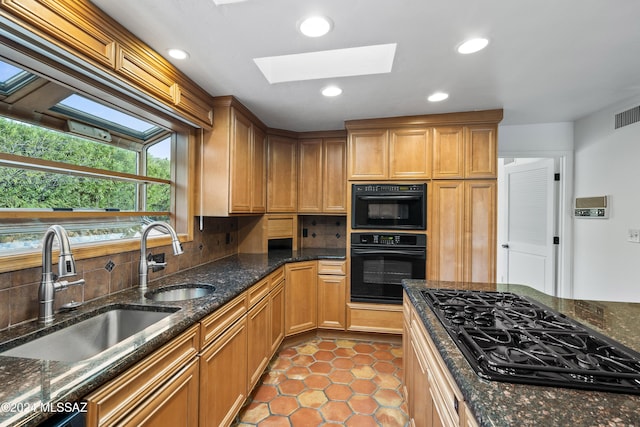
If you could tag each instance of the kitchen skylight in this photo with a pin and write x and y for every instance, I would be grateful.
(356, 61)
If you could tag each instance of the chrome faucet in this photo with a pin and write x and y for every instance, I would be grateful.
(66, 267)
(146, 265)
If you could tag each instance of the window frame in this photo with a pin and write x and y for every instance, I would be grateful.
(88, 80)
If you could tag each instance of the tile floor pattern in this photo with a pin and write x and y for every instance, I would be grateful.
(326, 382)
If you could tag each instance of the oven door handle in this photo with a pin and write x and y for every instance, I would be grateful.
(404, 252)
(383, 197)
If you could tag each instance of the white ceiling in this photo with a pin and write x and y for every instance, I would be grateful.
(547, 61)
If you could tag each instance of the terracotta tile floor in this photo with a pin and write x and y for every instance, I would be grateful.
(327, 382)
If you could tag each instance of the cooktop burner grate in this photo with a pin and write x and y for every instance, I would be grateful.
(506, 337)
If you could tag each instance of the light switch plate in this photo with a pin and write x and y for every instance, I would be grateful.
(633, 236)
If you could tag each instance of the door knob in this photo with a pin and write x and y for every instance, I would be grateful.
(505, 245)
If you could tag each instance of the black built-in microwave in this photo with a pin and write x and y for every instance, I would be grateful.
(389, 206)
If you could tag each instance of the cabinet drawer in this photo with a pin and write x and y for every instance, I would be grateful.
(276, 278)
(332, 267)
(216, 323)
(257, 292)
(118, 397)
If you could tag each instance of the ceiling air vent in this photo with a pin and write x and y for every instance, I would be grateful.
(628, 117)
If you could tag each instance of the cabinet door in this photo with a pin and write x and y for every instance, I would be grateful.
(173, 404)
(128, 392)
(447, 231)
(301, 296)
(480, 152)
(331, 302)
(240, 153)
(368, 154)
(259, 172)
(277, 316)
(282, 180)
(410, 154)
(223, 377)
(74, 24)
(310, 160)
(480, 231)
(335, 176)
(258, 341)
(448, 152)
(420, 403)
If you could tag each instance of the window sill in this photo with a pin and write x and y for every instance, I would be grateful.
(34, 259)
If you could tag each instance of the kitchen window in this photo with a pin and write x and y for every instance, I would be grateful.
(71, 159)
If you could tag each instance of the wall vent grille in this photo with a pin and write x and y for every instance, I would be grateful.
(628, 117)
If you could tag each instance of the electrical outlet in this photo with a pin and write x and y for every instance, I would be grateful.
(633, 235)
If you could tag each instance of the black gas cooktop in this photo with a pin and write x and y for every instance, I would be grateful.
(506, 337)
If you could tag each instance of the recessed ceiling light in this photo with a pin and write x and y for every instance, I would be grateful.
(331, 91)
(438, 96)
(473, 45)
(315, 26)
(177, 53)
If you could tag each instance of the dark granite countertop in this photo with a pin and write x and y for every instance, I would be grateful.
(505, 404)
(27, 384)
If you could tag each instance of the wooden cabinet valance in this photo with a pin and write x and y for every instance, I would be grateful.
(83, 30)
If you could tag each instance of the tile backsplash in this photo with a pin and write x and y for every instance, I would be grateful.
(112, 273)
(323, 231)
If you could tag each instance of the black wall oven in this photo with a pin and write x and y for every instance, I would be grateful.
(389, 206)
(379, 262)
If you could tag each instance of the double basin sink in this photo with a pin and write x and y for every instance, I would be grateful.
(107, 327)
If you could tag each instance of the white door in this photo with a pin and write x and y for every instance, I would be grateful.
(530, 223)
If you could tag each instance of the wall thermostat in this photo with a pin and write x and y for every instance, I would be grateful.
(592, 207)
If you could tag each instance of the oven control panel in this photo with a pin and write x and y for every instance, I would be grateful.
(401, 239)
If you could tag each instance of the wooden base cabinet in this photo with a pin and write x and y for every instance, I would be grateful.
(163, 384)
(433, 397)
(223, 377)
(258, 340)
(301, 296)
(173, 404)
(277, 309)
(332, 292)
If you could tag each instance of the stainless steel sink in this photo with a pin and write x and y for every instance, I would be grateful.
(85, 339)
(180, 292)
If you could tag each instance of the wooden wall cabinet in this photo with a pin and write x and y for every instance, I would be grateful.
(380, 154)
(462, 237)
(465, 152)
(332, 292)
(231, 163)
(247, 186)
(301, 297)
(322, 176)
(282, 192)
